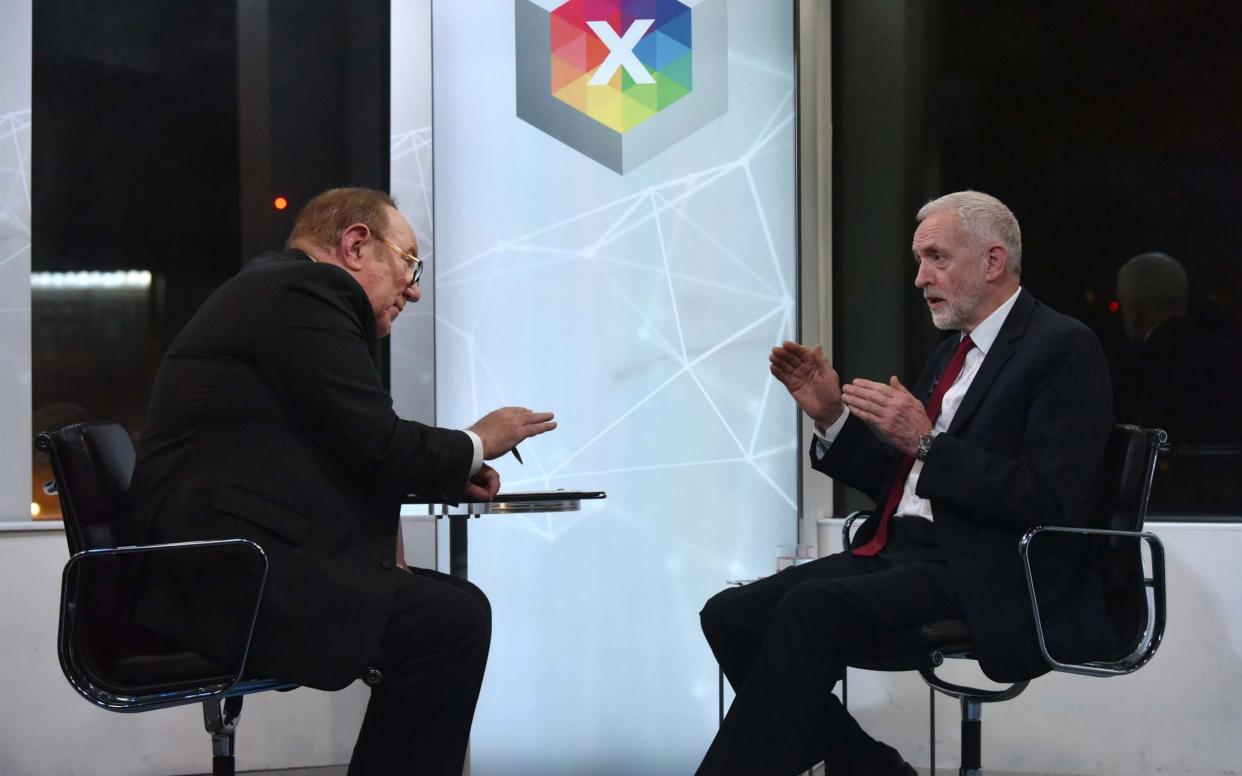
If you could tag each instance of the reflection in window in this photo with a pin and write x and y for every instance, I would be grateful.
(134, 181)
(1113, 132)
(92, 343)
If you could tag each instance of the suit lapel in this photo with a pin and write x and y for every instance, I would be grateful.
(1006, 341)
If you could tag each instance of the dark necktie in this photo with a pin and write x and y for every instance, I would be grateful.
(943, 383)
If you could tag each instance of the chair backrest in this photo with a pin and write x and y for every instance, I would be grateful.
(1131, 464)
(92, 463)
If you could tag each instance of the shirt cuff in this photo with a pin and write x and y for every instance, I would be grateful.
(477, 462)
(824, 439)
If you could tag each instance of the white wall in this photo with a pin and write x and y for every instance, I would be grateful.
(1180, 714)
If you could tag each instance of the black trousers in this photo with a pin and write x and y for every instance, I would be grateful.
(434, 651)
(784, 642)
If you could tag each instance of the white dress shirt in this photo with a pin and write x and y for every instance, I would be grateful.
(983, 336)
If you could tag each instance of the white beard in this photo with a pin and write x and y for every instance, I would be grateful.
(957, 315)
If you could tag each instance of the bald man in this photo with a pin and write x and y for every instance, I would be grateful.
(269, 421)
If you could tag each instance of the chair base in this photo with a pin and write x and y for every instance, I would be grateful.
(971, 700)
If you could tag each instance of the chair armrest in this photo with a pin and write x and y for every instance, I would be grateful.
(77, 668)
(1154, 632)
(847, 527)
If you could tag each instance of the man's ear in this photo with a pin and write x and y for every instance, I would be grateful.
(996, 263)
(349, 249)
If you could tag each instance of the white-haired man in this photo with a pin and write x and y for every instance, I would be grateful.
(1004, 430)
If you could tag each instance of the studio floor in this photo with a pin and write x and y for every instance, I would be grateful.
(339, 770)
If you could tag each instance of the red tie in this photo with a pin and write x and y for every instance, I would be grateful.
(945, 381)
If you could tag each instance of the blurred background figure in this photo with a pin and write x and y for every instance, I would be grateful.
(1179, 376)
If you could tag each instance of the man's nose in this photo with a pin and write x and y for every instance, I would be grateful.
(413, 293)
(922, 277)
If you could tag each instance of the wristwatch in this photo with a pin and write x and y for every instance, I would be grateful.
(925, 443)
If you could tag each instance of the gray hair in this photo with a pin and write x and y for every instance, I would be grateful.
(1157, 280)
(985, 218)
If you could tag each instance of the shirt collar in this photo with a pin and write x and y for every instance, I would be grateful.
(985, 333)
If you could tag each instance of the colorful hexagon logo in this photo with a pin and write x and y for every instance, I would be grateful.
(621, 80)
(621, 61)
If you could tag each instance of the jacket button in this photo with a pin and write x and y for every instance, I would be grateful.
(388, 564)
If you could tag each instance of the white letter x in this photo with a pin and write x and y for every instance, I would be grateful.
(621, 52)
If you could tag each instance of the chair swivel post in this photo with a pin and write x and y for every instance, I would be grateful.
(972, 737)
(220, 717)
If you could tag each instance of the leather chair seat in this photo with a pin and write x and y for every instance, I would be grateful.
(915, 647)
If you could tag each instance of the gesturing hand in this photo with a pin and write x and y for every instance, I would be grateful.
(484, 485)
(892, 411)
(501, 429)
(810, 380)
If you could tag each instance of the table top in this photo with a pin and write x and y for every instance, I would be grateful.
(516, 502)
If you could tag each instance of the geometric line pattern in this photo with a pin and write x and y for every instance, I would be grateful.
(763, 279)
(14, 184)
(15, 415)
(640, 307)
(412, 341)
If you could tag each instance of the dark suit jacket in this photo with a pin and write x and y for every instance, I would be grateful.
(1024, 449)
(269, 421)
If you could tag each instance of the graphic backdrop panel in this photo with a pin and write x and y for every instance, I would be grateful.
(628, 268)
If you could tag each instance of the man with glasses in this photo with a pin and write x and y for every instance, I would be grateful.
(269, 421)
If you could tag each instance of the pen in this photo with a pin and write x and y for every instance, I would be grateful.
(517, 455)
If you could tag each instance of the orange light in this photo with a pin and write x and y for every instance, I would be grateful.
(1113, 306)
(281, 203)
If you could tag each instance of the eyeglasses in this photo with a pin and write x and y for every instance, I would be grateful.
(416, 264)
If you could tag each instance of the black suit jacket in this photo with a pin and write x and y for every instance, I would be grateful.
(269, 421)
(1024, 449)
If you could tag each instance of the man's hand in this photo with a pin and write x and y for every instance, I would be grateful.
(810, 380)
(891, 410)
(501, 429)
(484, 485)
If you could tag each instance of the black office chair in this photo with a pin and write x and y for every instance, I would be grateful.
(1136, 601)
(111, 661)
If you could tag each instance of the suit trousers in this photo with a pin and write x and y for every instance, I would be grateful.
(784, 641)
(433, 653)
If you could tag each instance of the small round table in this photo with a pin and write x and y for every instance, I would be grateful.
(517, 503)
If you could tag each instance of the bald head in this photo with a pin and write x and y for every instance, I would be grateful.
(362, 232)
(326, 216)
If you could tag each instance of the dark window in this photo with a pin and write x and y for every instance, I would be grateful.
(163, 133)
(1111, 130)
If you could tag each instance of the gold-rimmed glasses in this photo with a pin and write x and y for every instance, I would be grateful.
(416, 264)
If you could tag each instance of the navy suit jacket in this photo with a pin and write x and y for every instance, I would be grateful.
(269, 421)
(1024, 449)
